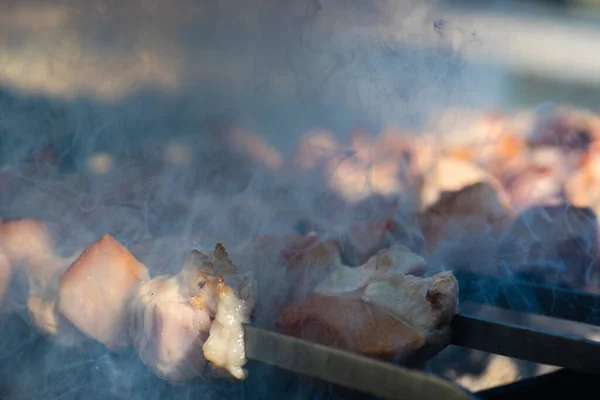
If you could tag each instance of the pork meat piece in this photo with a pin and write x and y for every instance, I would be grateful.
(167, 331)
(469, 221)
(93, 293)
(472, 208)
(178, 324)
(379, 309)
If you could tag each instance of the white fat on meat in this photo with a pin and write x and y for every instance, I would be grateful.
(225, 346)
(180, 323)
(423, 303)
(394, 261)
(390, 280)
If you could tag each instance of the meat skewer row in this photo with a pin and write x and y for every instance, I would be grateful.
(191, 323)
(179, 325)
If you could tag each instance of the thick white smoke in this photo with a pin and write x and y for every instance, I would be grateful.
(127, 117)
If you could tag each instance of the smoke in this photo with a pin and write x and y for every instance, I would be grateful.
(171, 125)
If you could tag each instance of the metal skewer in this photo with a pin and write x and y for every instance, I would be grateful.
(363, 374)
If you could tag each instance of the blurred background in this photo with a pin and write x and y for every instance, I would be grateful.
(281, 69)
(497, 53)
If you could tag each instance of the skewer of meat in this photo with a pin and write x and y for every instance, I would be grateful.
(381, 309)
(180, 323)
(191, 323)
(176, 323)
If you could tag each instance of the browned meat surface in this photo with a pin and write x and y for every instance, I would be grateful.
(380, 309)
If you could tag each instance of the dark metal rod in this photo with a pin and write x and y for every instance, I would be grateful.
(352, 371)
(575, 353)
(531, 297)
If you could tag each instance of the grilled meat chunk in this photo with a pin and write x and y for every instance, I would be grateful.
(381, 309)
(180, 323)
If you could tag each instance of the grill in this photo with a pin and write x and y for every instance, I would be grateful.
(526, 343)
(341, 375)
(579, 358)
